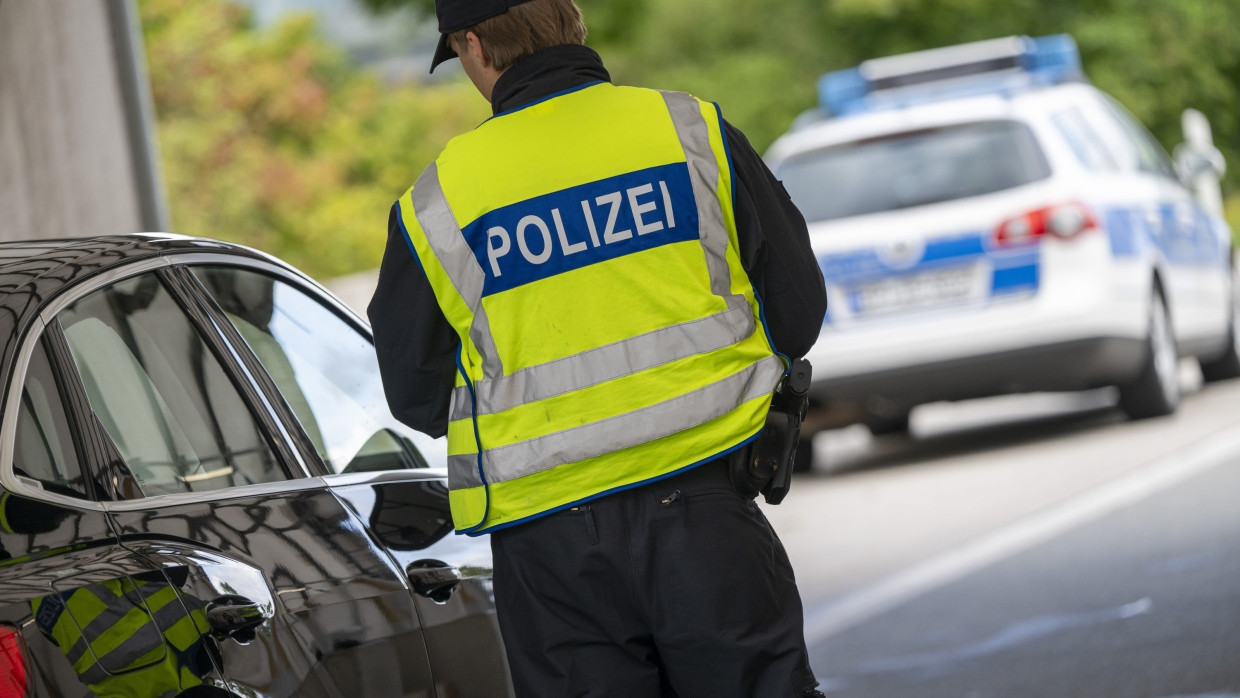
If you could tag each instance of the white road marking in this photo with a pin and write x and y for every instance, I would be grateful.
(855, 608)
(1018, 633)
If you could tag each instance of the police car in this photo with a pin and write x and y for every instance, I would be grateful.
(988, 222)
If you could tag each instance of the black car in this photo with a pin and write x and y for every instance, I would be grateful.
(203, 492)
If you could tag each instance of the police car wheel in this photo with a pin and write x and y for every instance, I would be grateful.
(1227, 366)
(1156, 391)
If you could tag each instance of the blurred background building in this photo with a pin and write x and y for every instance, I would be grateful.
(76, 127)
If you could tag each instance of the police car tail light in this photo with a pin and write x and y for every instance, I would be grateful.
(1062, 221)
(12, 663)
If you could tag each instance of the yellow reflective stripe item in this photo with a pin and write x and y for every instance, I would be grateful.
(443, 233)
(517, 500)
(619, 358)
(694, 137)
(648, 353)
(553, 145)
(4, 513)
(622, 431)
(135, 640)
(604, 401)
(606, 363)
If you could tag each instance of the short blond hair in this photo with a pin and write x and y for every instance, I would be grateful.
(524, 29)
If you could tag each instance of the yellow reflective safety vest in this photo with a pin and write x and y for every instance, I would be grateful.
(127, 638)
(584, 249)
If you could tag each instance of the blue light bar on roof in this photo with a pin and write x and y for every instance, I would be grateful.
(999, 66)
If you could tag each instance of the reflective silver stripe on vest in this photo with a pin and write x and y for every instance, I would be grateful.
(620, 432)
(93, 675)
(605, 363)
(142, 637)
(694, 138)
(430, 206)
(115, 608)
(141, 642)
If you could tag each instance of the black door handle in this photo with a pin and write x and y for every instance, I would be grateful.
(235, 616)
(434, 579)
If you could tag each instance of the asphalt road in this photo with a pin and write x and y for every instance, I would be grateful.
(1026, 546)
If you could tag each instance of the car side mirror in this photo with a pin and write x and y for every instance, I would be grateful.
(386, 449)
(1198, 163)
(1192, 162)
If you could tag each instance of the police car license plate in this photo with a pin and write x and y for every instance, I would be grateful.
(924, 290)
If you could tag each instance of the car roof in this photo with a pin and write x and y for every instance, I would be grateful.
(24, 261)
(34, 271)
(1021, 105)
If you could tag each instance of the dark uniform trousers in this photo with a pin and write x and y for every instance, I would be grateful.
(675, 588)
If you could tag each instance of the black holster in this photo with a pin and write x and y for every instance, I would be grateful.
(765, 465)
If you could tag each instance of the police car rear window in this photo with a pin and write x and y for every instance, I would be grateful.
(913, 169)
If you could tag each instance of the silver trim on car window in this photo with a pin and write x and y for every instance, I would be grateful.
(94, 283)
(257, 490)
(274, 266)
(12, 392)
(12, 482)
(381, 476)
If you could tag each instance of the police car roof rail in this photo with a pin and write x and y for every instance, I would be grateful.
(997, 66)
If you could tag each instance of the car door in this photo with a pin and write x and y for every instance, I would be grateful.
(323, 363)
(95, 617)
(214, 490)
(1185, 239)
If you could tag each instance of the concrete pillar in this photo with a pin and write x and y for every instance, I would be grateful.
(76, 134)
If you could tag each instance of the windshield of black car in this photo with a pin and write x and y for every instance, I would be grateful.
(913, 168)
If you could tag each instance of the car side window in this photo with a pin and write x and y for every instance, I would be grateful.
(164, 398)
(326, 370)
(1150, 154)
(1084, 141)
(43, 449)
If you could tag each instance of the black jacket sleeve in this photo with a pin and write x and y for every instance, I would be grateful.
(415, 344)
(775, 251)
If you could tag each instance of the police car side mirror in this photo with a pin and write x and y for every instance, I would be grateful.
(1197, 157)
(386, 450)
(1193, 161)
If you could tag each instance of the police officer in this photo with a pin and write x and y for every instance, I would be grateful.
(594, 294)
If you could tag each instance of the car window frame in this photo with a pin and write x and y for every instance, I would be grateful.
(44, 329)
(313, 291)
(1072, 125)
(100, 454)
(1027, 130)
(292, 424)
(1140, 139)
(71, 397)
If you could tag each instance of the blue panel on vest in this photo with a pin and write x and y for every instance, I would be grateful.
(49, 613)
(587, 224)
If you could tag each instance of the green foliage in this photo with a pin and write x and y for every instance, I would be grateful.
(760, 59)
(272, 139)
(1231, 211)
(381, 6)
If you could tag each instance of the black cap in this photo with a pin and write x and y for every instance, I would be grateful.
(455, 15)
